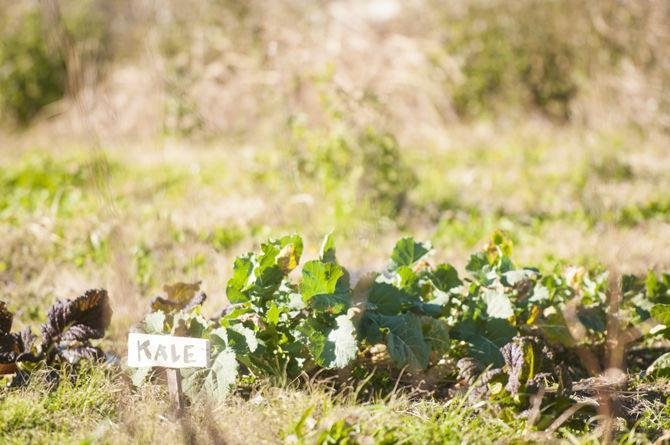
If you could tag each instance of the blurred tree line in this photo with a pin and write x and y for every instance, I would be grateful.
(490, 56)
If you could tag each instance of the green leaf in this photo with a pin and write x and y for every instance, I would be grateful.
(154, 323)
(331, 303)
(437, 306)
(327, 251)
(436, 334)
(485, 350)
(512, 277)
(219, 339)
(334, 348)
(478, 262)
(222, 375)
(652, 285)
(431, 309)
(405, 278)
(272, 315)
(405, 342)
(319, 278)
(371, 327)
(661, 313)
(242, 269)
(388, 299)
(480, 347)
(198, 326)
(498, 304)
(555, 329)
(407, 251)
(540, 294)
(445, 277)
(661, 365)
(242, 339)
(499, 331)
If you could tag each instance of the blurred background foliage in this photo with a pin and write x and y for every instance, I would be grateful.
(481, 58)
(163, 137)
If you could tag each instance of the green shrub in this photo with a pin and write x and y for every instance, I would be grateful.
(513, 54)
(361, 165)
(32, 75)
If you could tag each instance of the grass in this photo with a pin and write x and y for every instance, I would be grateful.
(100, 407)
(135, 218)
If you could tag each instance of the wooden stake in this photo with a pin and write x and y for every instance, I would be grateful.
(174, 389)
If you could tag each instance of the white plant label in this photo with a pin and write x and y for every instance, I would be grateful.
(146, 350)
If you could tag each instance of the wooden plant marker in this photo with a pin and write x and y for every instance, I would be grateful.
(168, 352)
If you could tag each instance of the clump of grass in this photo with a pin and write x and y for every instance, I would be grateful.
(58, 409)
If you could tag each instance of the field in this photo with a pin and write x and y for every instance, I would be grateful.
(234, 124)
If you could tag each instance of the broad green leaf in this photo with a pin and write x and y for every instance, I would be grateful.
(661, 365)
(445, 277)
(661, 313)
(512, 277)
(555, 329)
(198, 326)
(219, 339)
(154, 322)
(431, 309)
(388, 299)
(335, 348)
(499, 331)
(485, 350)
(437, 306)
(478, 262)
(498, 304)
(436, 334)
(327, 251)
(242, 339)
(272, 315)
(237, 284)
(407, 279)
(481, 347)
(540, 294)
(332, 303)
(341, 346)
(319, 278)
(405, 342)
(407, 251)
(268, 280)
(222, 375)
(652, 285)
(371, 327)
